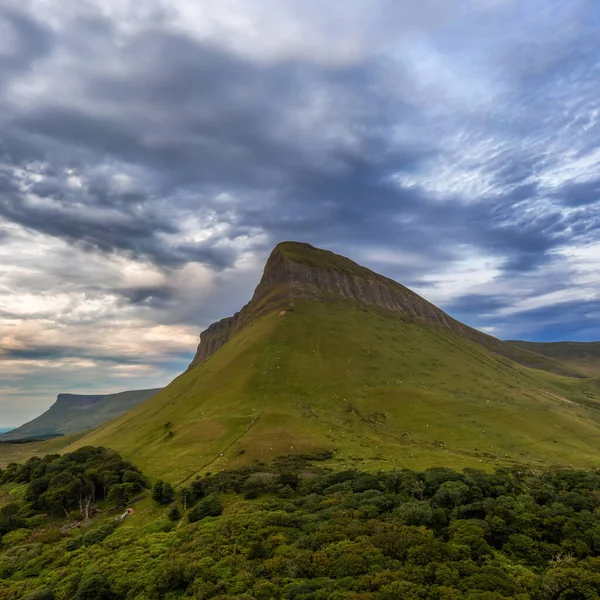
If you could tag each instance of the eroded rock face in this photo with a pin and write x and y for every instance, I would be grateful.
(214, 337)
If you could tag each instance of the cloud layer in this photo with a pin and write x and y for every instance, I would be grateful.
(150, 159)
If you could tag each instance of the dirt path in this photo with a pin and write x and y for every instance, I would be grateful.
(229, 445)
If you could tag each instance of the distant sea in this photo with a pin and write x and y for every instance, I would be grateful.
(5, 429)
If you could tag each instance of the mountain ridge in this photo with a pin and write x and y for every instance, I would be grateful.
(583, 357)
(299, 270)
(75, 413)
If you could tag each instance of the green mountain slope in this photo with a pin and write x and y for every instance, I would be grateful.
(73, 413)
(331, 356)
(583, 357)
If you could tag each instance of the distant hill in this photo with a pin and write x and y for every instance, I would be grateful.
(330, 357)
(583, 357)
(73, 413)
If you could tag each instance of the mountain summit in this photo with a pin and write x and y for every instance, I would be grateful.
(331, 359)
(297, 270)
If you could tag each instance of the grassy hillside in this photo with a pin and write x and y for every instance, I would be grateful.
(374, 388)
(580, 356)
(73, 413)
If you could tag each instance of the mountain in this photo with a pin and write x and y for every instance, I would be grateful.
(297, 270)
(330, 357)
(73, 413)
(583, 357)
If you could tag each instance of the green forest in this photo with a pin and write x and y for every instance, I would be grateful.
(90, 526)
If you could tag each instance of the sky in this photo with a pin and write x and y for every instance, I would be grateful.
(152, 154)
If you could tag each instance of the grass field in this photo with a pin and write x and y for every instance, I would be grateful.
(375, 389)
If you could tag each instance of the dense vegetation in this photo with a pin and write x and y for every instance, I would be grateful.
(293, 530)
(72, 485)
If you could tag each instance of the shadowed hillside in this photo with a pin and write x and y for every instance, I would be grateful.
(331, 356)
(73, 413)
(583, 357)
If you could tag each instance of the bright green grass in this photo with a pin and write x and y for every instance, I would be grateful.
(379, 391)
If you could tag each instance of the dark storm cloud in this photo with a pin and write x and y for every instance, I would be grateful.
(579, 194)
(57, 352)
(477, 303)
(197, 117)
(566, 321)
(148, 296)
(27, 40)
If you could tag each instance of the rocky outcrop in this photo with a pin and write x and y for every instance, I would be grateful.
(214, 337)
(82, 401)
(298, 270)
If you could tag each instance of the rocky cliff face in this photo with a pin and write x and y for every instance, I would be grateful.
(77, 400)
(298, 270)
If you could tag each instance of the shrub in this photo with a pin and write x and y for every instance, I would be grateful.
(208, 507)
(163, 492)
(261, 482)
(94, 586)
(174, 514)
(15, 537)
(97, 535)
(157, 491)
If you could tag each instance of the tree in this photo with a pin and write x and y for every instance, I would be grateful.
(163, 492)
(197, 488)
(135, 478)
(208, 507)
(450, 494)
(168, 493)
(120, 493)
(9, 517)
(157, 491)
(94, 586)
(187, 497)
(174, 514)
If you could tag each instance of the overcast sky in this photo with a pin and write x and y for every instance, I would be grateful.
(152, 153)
